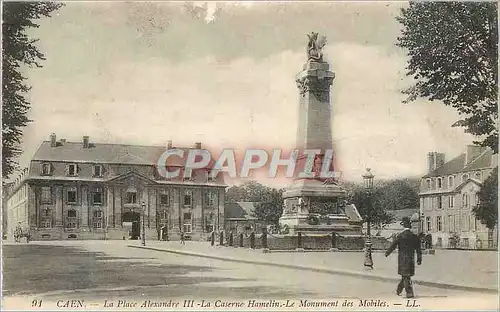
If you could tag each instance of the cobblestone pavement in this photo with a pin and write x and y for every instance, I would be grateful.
(97, 271)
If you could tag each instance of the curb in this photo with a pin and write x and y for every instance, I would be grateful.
(364, 275)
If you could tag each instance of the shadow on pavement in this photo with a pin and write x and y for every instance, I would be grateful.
(31, 269)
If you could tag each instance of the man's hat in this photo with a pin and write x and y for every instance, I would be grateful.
(406, 222)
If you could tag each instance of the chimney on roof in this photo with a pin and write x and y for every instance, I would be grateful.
(85, 142)
(472, 152)
(169, 144)
(197, 145)
(53, 142)
(434, 161)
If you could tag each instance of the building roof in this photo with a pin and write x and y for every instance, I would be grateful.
(239, 210)
(106, 153)
(399, 214)
(457, 164)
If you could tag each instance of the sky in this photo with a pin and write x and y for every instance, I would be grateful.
(224, 74)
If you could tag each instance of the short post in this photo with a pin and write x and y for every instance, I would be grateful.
(299, 240)
(241, 239)
(212, 238)
(221, 238)
(334, 241)
(252, 240)
(264, 240)
(231, 239)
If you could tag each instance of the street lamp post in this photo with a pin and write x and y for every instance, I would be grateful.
(368, 181)
(143, 224)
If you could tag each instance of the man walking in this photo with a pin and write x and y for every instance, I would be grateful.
(183, 241)
(407, 243)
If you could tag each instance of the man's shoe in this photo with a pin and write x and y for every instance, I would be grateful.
(408, 296)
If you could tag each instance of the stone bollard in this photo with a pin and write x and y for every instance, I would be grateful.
(334, 241)
(299, 240)
(252, 240)
(264, 241)
(221, 238)
(241, 239)
(231, 239)
(212, 238)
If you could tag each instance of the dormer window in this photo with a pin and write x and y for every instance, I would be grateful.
(439, 183)
(72, 170)
(465, 177)
(97, 171)
(477, 175)
(211, 176)
(46, 169)
(450, 181)
(428, 184)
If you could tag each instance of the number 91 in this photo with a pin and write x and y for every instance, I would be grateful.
(36, 303)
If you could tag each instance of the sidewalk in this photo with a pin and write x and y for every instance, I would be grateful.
(461, 270)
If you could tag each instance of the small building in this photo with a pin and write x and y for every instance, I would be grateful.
(239, 218)
(85, 190)
(449, 192)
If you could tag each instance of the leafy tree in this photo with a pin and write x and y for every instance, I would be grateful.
(18, 50)
(370, 205)
(453, 54)
(487, 209)
(394, 194)
(399, 194)
(270, 208)
(250, 192)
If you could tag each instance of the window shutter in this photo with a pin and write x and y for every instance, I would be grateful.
(67, 170)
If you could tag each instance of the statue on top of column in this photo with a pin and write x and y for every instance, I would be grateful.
(314, 47)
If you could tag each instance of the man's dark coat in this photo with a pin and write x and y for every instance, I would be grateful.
(407, 243)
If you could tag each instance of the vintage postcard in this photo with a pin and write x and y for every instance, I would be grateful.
(249, 156)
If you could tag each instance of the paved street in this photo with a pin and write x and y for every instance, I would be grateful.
(99, 270)
(445, 266)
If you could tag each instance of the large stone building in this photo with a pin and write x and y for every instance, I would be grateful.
(82, 190)
(448, 193)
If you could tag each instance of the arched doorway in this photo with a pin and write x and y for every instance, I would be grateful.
(135, 218)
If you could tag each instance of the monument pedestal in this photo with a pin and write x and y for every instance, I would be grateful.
(312, 207)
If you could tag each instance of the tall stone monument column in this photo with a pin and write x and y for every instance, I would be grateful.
(315, 203)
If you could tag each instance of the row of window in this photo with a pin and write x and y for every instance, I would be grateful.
(454, 223)
(71, 220)
(440, 201)
(451, 180)
(72, 170)
(97, 196)
(97, 171)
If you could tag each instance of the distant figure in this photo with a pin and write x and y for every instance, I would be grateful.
(18, 232)
(183, 239)
(428, 241)
(408, 243)
(163, 233)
